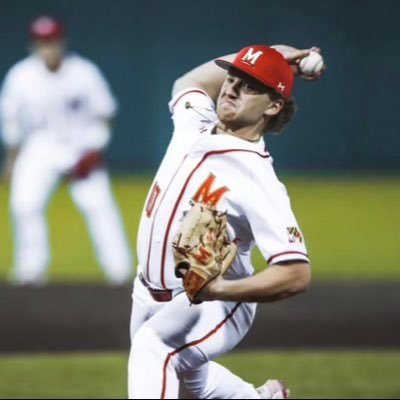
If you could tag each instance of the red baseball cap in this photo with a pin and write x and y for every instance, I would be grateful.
(45, 27)
(266, 65)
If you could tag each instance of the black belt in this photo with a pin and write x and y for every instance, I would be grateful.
(160, 295)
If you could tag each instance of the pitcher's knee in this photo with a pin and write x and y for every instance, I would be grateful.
(146, 343)
(152, 348)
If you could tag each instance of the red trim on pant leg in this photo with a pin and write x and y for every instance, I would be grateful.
(194, 343)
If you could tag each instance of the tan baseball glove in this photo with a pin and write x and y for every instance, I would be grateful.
(201, 248)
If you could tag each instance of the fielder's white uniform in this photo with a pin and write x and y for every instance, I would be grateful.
(172, 340)
(55, 117)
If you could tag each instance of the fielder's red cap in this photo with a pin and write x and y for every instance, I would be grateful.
(266, 65)
(46, 27)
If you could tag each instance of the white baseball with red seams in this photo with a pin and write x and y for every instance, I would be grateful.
(312, 64)
(173, 340)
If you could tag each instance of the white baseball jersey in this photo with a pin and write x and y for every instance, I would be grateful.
(235, 175)
(69, 106)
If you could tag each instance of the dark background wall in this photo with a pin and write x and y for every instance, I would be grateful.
(347, 120)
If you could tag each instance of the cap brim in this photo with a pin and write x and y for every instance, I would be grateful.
(223, 63)
(226, 65)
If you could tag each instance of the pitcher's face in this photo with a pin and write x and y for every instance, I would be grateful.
(243, 101)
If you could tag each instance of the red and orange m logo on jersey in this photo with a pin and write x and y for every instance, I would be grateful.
(206, 196)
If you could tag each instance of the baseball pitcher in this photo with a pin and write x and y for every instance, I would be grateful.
(215, 197)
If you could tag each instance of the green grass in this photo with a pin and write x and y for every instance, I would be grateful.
(63, 376)
(351, 226)
(309, 374)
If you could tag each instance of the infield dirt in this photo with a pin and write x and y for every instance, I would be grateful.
(96, 317)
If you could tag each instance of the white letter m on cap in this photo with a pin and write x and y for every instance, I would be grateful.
(251, 57)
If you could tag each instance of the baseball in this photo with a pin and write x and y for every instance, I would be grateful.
(311, 64)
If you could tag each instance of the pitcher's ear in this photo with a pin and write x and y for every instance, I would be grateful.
(274, 108)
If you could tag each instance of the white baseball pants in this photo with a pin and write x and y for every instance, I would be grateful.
(37, 172)
(175, 342)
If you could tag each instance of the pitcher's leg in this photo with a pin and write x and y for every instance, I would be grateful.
(214, 381)
(94, 198)
(151, 376)
(181, 338)
(143, 308)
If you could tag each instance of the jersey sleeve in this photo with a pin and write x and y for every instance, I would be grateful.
(102, 102)
(272, 221)
(192, 110)
(10, 106)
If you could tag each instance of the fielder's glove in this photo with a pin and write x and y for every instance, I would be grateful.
(201, 248)
(88, 162)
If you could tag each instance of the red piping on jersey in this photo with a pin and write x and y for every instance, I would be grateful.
(165, 191)
(210, 153)
(154, 218)
(194, 343)
(286, 252)
(184, 94)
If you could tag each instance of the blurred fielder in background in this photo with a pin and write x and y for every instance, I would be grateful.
(56, 109)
